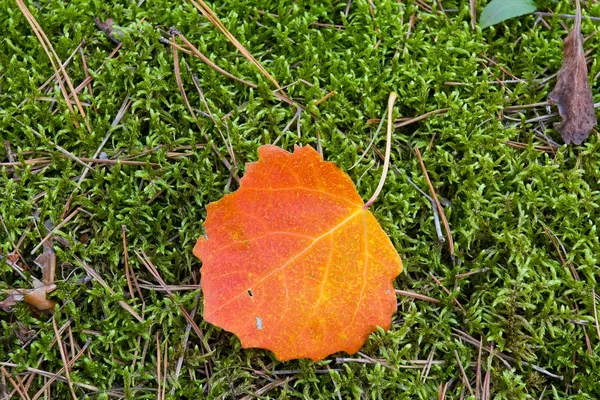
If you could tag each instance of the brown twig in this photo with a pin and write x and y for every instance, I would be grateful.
(208, 62)
(465, 274)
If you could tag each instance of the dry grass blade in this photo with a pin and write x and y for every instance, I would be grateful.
(148, 264)
(212, 17)
(437, 203)
(91, 272)
(49, 49)
(67, 153)
(185, 342)
(63, 355)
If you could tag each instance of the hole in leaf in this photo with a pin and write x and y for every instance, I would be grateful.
(259, 324)
(250, 293)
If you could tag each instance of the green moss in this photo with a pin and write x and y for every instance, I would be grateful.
(499, 199)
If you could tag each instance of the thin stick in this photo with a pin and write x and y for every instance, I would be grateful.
(420, 117)
(478, 376)
(464, 375)
(63, 355)
(473, 11)
(59, 148)
(465, 274)
(165, 366)
(388, 149)
(417, 296)
(437, 203)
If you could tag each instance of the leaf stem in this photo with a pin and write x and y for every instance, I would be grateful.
(388, 148)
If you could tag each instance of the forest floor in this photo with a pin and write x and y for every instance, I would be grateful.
(121, 194)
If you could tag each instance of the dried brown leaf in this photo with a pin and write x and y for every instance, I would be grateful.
(47, 262)
(37, 297)
(7, 304)
(572, 93)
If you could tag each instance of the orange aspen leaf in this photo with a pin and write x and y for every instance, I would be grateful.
(294, 262)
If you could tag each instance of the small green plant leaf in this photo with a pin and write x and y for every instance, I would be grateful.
(501, 10)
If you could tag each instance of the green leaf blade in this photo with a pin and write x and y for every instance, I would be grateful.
(501, 10)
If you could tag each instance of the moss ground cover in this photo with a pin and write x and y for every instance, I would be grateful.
(523, 220)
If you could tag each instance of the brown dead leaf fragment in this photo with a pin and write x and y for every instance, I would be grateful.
(572, 93)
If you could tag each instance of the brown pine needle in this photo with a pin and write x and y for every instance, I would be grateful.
(71, 363)
(18, 387)
(158, 367)
(324, 98)
(447, 292)
(91, 272)
(595, 313)
(54, 59)
(148, 264)
(56, 228)
(63, 355)
(437, 203)
(416, 296)
(126, 253)
(208, 62)
(464, 375)
(212, 17)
